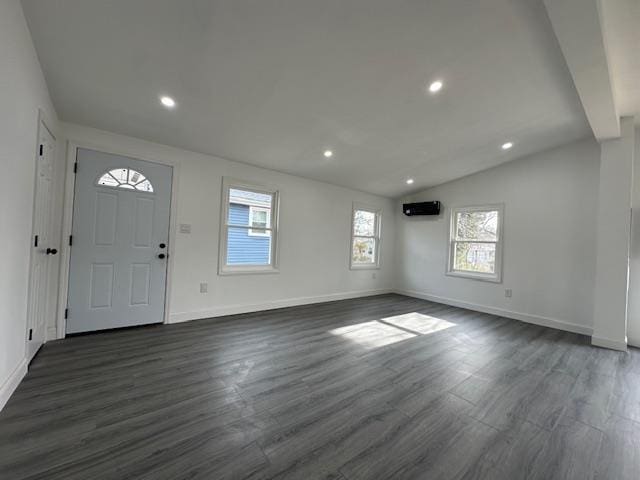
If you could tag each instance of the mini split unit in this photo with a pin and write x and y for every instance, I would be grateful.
(421, 208)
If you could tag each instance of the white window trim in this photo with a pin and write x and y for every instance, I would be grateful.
(487, 277)
(377, 237)
(223, 268)
(258, 232)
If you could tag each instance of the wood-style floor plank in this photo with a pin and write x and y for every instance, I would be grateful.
(372, 388)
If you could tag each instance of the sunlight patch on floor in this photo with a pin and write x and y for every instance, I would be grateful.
(389, 330)
(418, 323)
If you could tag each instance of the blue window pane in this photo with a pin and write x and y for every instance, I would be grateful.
(246, 249)
(244, 198)
(238, 214)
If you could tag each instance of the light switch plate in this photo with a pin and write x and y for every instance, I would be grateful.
(185, 228)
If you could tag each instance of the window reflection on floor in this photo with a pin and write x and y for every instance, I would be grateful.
(389, 330)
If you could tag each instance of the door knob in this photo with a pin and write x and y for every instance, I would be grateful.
(162, 245)
(161, 255)
(51, 251)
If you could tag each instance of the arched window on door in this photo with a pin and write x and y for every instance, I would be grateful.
(125, 178)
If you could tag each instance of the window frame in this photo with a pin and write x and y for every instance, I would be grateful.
(377, 237)
(495, 277)
(223, 267)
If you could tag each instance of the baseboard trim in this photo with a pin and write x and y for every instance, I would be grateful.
(257, 307)
(523, 317)
(608, 343)
(11, 383)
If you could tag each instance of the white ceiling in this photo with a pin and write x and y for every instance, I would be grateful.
(276, 82)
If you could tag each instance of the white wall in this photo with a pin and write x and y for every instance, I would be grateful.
(633, 313)
(315, 222)
(614, 239)
(22, 92)
(550, 204)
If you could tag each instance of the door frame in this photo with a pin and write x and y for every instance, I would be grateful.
(67, 221)
(43, 121)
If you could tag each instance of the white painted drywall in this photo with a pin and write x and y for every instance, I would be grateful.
(22, 92)
(633, 312)
(579, 29)
(315, 222)
(550, 202)
(614, 239)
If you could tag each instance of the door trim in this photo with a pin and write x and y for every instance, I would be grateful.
(67, 221)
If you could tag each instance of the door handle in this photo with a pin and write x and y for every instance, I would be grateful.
(161, 255)
(51, 251)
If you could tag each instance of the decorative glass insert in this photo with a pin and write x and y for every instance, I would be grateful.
(126, 178)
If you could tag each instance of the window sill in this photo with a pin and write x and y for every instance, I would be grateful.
(247, 270)
(364, 267)
(475, 276)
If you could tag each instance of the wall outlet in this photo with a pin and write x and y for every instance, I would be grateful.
(373, 275)
(185, 228)
(204, 287)
(507, 293)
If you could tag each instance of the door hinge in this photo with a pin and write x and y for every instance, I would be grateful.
(75, 167)
(31, 334)
(66, 313)
(35, 241)
(41, 149)
(70, 240)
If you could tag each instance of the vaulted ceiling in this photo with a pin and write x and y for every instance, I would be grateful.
(275, 83)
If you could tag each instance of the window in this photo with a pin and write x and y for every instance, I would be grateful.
(125, 178)
(259, 218)
(248, 234)
(475, 242)
(365, 237)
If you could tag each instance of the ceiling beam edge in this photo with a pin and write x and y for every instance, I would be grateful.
(579, 29)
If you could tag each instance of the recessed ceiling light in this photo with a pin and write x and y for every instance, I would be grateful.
(435, 86)
(409, 181)
(328, 153)
(507, 146)
(168, 102)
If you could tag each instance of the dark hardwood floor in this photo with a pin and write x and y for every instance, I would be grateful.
(373, 388)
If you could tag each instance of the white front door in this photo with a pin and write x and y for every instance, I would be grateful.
(120, 240)
(43, 248)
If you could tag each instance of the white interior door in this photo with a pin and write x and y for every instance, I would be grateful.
(43, 247)
(119, 246)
